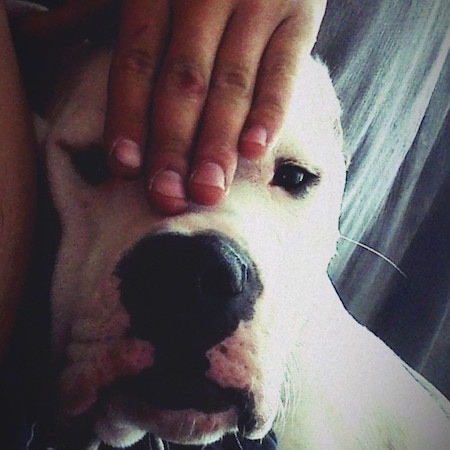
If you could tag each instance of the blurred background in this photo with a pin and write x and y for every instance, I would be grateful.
(391, 67)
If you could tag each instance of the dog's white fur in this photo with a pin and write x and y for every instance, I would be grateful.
(347, 390)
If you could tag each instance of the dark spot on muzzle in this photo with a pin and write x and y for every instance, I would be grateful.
(185, 294)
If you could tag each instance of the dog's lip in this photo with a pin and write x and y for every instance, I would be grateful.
(174, 390)
(216, 410)
(118, 417)
(110, 422)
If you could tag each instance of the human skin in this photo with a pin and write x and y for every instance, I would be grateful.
(219, 86)
(193, 83)
(17, 183)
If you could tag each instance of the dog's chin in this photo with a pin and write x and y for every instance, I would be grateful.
(187, 427)
(121, 422)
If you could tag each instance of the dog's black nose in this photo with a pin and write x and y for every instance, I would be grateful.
(187, 293)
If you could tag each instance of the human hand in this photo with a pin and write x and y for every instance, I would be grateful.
(197, 82)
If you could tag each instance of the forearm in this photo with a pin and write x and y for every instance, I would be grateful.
(17, 183)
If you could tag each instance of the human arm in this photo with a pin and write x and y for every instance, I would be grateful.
(17, 183)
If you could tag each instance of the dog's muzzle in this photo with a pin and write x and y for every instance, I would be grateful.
(185, 294)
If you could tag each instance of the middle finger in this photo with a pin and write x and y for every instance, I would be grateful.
(180, 94)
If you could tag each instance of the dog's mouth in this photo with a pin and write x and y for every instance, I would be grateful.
(179, 391)
(173, 399)
(162, 392)
(181, 408)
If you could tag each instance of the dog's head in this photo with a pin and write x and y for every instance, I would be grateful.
(183, 326)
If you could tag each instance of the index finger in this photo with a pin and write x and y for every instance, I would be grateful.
(142, 34)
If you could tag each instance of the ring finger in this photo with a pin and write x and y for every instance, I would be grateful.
(229, 100)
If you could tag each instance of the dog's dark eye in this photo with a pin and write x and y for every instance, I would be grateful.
(293, 178)
(91, 164)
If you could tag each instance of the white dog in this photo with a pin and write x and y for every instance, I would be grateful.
(220, 320)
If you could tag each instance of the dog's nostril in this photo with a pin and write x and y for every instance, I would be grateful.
(187, 290)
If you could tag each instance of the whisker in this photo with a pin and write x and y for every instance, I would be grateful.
(375, 252)
(158, 443)
(236, 437)
(30, 441)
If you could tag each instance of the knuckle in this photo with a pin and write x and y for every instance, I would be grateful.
(173, 147)
(136, 61)
(221, 149)
(185, 77)
(135, 117)
(234, 79)
(283, 67)
(270, 105)
(279, 79)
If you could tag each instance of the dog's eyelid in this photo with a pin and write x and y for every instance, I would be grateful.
(89, 161)
(297, 154)
(73, 148)
(294, 177)
(312, 169)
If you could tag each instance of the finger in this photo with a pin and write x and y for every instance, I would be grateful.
(142, 34)
(292, 41)
(180, 95)
(229, 101)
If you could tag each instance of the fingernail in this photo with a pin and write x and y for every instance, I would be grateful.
(209, 174)
(128, 154)
(169, 184)
(256, 135)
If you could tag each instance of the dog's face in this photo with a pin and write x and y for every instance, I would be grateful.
(183, 326)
